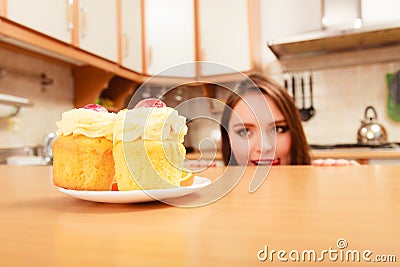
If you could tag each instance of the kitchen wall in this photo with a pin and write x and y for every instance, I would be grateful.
(341, 95)
(20, 77)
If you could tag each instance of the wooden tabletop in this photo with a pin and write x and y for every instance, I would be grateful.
(298, 209)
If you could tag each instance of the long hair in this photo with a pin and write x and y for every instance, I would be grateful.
(300, 148)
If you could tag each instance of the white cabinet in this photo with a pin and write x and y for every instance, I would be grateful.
(224, 35)
(169, 37)
(375, 13)
(287, 18)
(98, 32)
(131, 35)
(51, 17)
(341, 14)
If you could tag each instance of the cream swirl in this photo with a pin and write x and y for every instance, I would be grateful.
(86, 122)
(150, 124)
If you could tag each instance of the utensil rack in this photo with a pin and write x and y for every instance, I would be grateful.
(42, 77)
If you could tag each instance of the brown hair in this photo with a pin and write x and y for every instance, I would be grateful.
(280, 97)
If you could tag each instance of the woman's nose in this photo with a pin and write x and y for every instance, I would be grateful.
(265, 142)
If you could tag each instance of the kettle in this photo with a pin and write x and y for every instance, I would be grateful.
(370, 131)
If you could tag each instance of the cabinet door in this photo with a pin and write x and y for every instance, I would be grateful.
(169, 37)
(50, 17)
(376, 13)
(341, 14)
(224, 34)
(287, 18)
(131, 39)
(98, 28)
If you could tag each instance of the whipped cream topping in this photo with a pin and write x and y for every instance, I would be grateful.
(156, 124)
(86, 122)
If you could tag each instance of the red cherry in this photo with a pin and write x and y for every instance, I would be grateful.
(96, 107)
(150, 102)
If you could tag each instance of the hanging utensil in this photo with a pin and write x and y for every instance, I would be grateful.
(311, 109)
(294, 89)
(304, 114)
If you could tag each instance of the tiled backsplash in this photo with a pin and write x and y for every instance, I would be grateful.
(31, 123)
(341, 96)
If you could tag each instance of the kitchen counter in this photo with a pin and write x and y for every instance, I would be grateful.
(362, 155)
(297, 208)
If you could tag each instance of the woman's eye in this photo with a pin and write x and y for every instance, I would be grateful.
(281, 128)
(243, 132)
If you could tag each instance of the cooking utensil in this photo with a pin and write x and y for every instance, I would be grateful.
(294, 88)
(311, 110)
(305, 116)
(370, 131)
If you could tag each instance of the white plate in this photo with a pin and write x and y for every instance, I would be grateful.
(136, 196)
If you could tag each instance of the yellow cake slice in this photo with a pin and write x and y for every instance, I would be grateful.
(148, 148)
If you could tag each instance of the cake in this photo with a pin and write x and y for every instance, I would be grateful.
(148, 147)
(82, 155)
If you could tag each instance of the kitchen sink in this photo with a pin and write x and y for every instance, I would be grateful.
(18, 151)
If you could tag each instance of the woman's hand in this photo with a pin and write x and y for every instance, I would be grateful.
(334, 162)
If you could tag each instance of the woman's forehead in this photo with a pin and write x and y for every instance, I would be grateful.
(259, 105)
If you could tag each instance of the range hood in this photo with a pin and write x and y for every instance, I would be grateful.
(327, 42)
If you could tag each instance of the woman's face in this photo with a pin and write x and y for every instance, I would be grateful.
(254, 132)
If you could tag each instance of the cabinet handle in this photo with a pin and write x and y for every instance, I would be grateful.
(203, 55)
(125, 40)
(70, 15)
(149, 55)
(84, 19)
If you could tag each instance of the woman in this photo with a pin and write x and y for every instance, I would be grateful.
(261, 125)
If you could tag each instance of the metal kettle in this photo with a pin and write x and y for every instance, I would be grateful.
(370, 131)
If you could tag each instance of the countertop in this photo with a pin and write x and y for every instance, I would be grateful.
(362, 155)
(296, 209)
(338, 153)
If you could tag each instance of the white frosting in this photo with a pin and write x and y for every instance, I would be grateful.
(86, 122)
(149, 124)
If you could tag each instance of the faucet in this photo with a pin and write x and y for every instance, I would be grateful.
(47, 146)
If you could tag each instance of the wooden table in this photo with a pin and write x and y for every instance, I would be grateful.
(298, 209)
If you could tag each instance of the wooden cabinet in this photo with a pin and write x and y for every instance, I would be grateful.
(169, 37)
(131, 35)
(36, 15)
(98, 31)
(224, 36)
(103, 86)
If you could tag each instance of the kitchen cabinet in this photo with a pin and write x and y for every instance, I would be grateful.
(169, 37)
(341, 14)
(103, 86)
(287, 18)
(98, 30)
(224, 36)
(375, 13)
(131, 35)
(35, 14)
